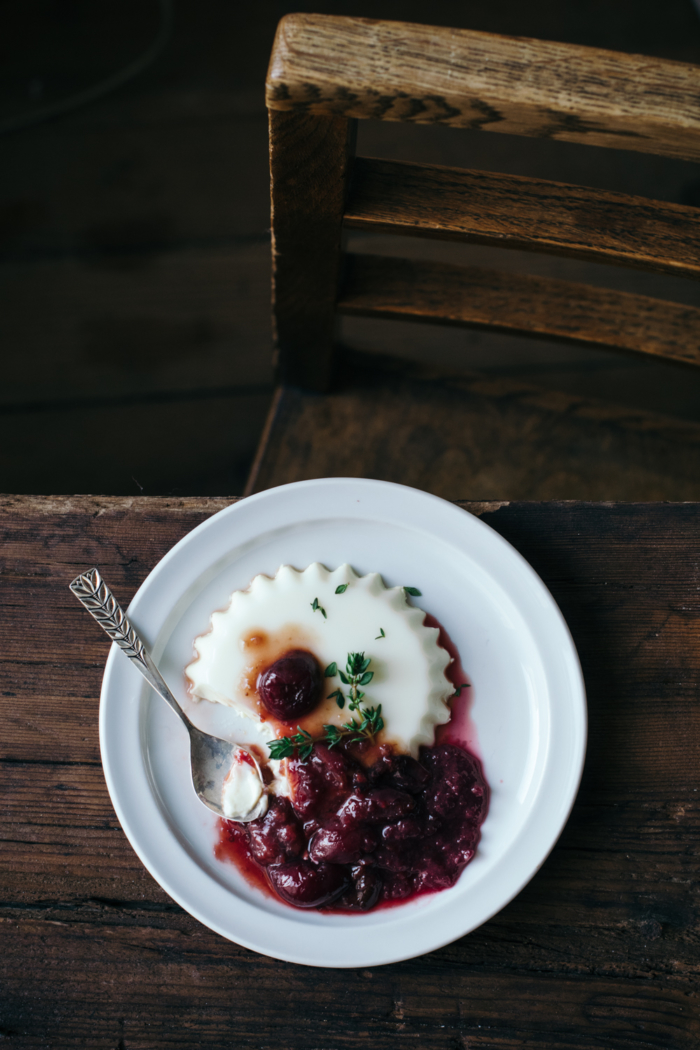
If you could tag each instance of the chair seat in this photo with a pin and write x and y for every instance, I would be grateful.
(473, 437)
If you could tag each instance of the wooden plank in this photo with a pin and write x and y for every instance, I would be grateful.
(202, 443)
(511, 211)
(308, 170)
(472, 437)
(475, 297)
(119, 182)
(162, 353)
(190, 320)
(156, 988)
(360, 67)
(50, 693)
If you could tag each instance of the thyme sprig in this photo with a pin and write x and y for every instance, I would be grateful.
(369, 724)
(354, 675)
(302, 743)
(364, 727)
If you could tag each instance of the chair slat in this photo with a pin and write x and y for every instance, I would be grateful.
(382, 286)
(357, 67)
(511, 211)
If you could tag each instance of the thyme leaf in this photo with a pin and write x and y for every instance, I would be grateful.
(365, 727)
(339, 698)
(286, 746)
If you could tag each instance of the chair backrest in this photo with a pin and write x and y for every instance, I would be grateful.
(327, 72)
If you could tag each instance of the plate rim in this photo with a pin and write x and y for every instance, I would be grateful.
(578, 714)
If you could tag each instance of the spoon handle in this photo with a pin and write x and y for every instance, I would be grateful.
(91, 590)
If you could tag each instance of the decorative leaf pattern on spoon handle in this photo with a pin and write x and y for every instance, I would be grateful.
(210, 756)
(95, 595)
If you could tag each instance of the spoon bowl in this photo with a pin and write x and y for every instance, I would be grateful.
(211, 758)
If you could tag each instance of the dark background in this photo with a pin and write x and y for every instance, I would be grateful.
(134, 240)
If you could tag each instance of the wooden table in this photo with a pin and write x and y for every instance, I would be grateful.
(601, 950)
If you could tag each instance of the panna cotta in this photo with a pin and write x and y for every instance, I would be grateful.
(302, 627)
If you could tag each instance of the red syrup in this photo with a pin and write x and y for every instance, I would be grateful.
(232, 846)
(370, 837)
(460, 729)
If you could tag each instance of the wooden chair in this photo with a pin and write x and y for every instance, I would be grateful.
(342, 413)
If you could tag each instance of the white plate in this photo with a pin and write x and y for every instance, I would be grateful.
(528, 705)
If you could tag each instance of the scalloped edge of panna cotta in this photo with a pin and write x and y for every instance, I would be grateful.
(329, 614)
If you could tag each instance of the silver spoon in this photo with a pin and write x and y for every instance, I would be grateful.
(211, 758)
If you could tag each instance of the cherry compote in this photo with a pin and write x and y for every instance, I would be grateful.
(291, 687)
(354, 836)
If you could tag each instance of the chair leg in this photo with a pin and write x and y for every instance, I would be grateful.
(309, 164)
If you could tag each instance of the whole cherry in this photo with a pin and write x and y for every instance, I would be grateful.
(291, 687)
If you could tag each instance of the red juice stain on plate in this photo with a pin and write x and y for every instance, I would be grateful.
(460, 729)
(232, 846)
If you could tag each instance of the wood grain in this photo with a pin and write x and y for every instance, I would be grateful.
(157, 444)
(599, 951)
(359, 67)
(177, 321)
(308, 170)
(475, 297)
(466, 436)
(510, 211)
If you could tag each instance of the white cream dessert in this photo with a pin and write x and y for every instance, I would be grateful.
(243, 795)
(329, 615)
